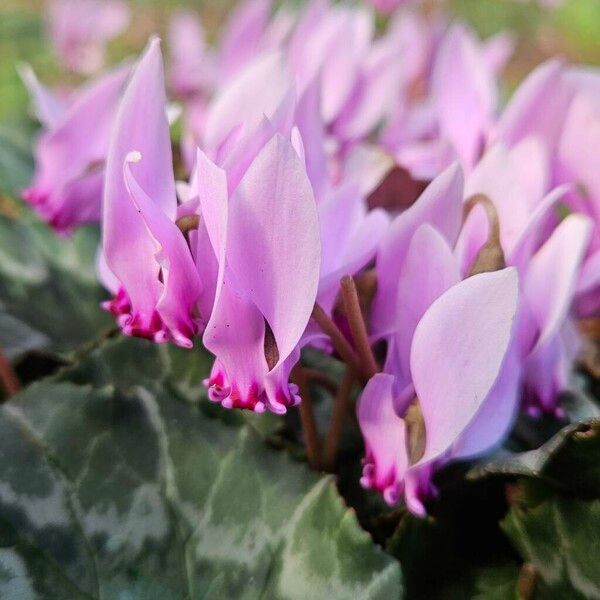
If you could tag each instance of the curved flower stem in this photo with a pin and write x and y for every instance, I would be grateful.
(358, 327)
(307, 417)
(340, 343)
(490, 211)
(340, 409)
(9, 378)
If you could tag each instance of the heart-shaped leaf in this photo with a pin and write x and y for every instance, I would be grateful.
(560, 537)
(119, 486)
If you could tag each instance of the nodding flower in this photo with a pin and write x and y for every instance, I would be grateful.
(158, 283)
(70, 153)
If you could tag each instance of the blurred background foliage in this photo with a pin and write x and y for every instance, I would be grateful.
(570, 30)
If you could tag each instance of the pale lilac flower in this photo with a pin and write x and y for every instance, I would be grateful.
(265, 233)
(71, 150)
(243, 37)
(80, 29)
(452, 116)
(549, 286)
(143, 247)
(548, 254)
(191, 65)
(388, 6)
(440, 206)
(460, 366)
(556, 107)
(359, 76)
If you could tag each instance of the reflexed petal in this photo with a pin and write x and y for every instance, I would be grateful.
(274, 247)
(255, 92)
(497, 413)
(458, 350)
(429, 270)
(47, 107)
(141, 126)
(441, 206)
(537, 107)
(551, 278)
(384, 432)
(242, 35)
(463, 91)
(70, 156)
(181, 284)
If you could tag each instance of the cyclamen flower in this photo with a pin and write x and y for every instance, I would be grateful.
(388, 6)
(453, 117)
(419, 275)
(567, 124)
(265, 234)
(548, 254)
(358, 75)
(196, 69)
(143, 248)
(71, 151)
(459, 360)
(191, 67)
(80, 29)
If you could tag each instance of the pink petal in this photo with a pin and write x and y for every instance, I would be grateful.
(464, 93)
(274, 246)
(70, 156)
(498, 50)
(429, 270)
(384, 432)
(537, 107)
(235, 335)
(457, 353)
(141, 126)
(532, 234)
(492, 423)
(495, 177)
(578, 150)
(350, 235)
(179, 276)
(242, 35)
(255, 92)
(47, 107)
(551, 278)
(441, 206)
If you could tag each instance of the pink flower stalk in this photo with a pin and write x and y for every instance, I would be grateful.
(71, 150)
(143, 248)
(80, 29)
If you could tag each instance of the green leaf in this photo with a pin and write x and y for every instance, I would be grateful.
(49, 285)
(569, 461)
(16, 162)
(114, 484)
(17, 338)
(560, 537)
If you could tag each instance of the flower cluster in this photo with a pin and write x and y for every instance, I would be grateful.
(364, 194)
